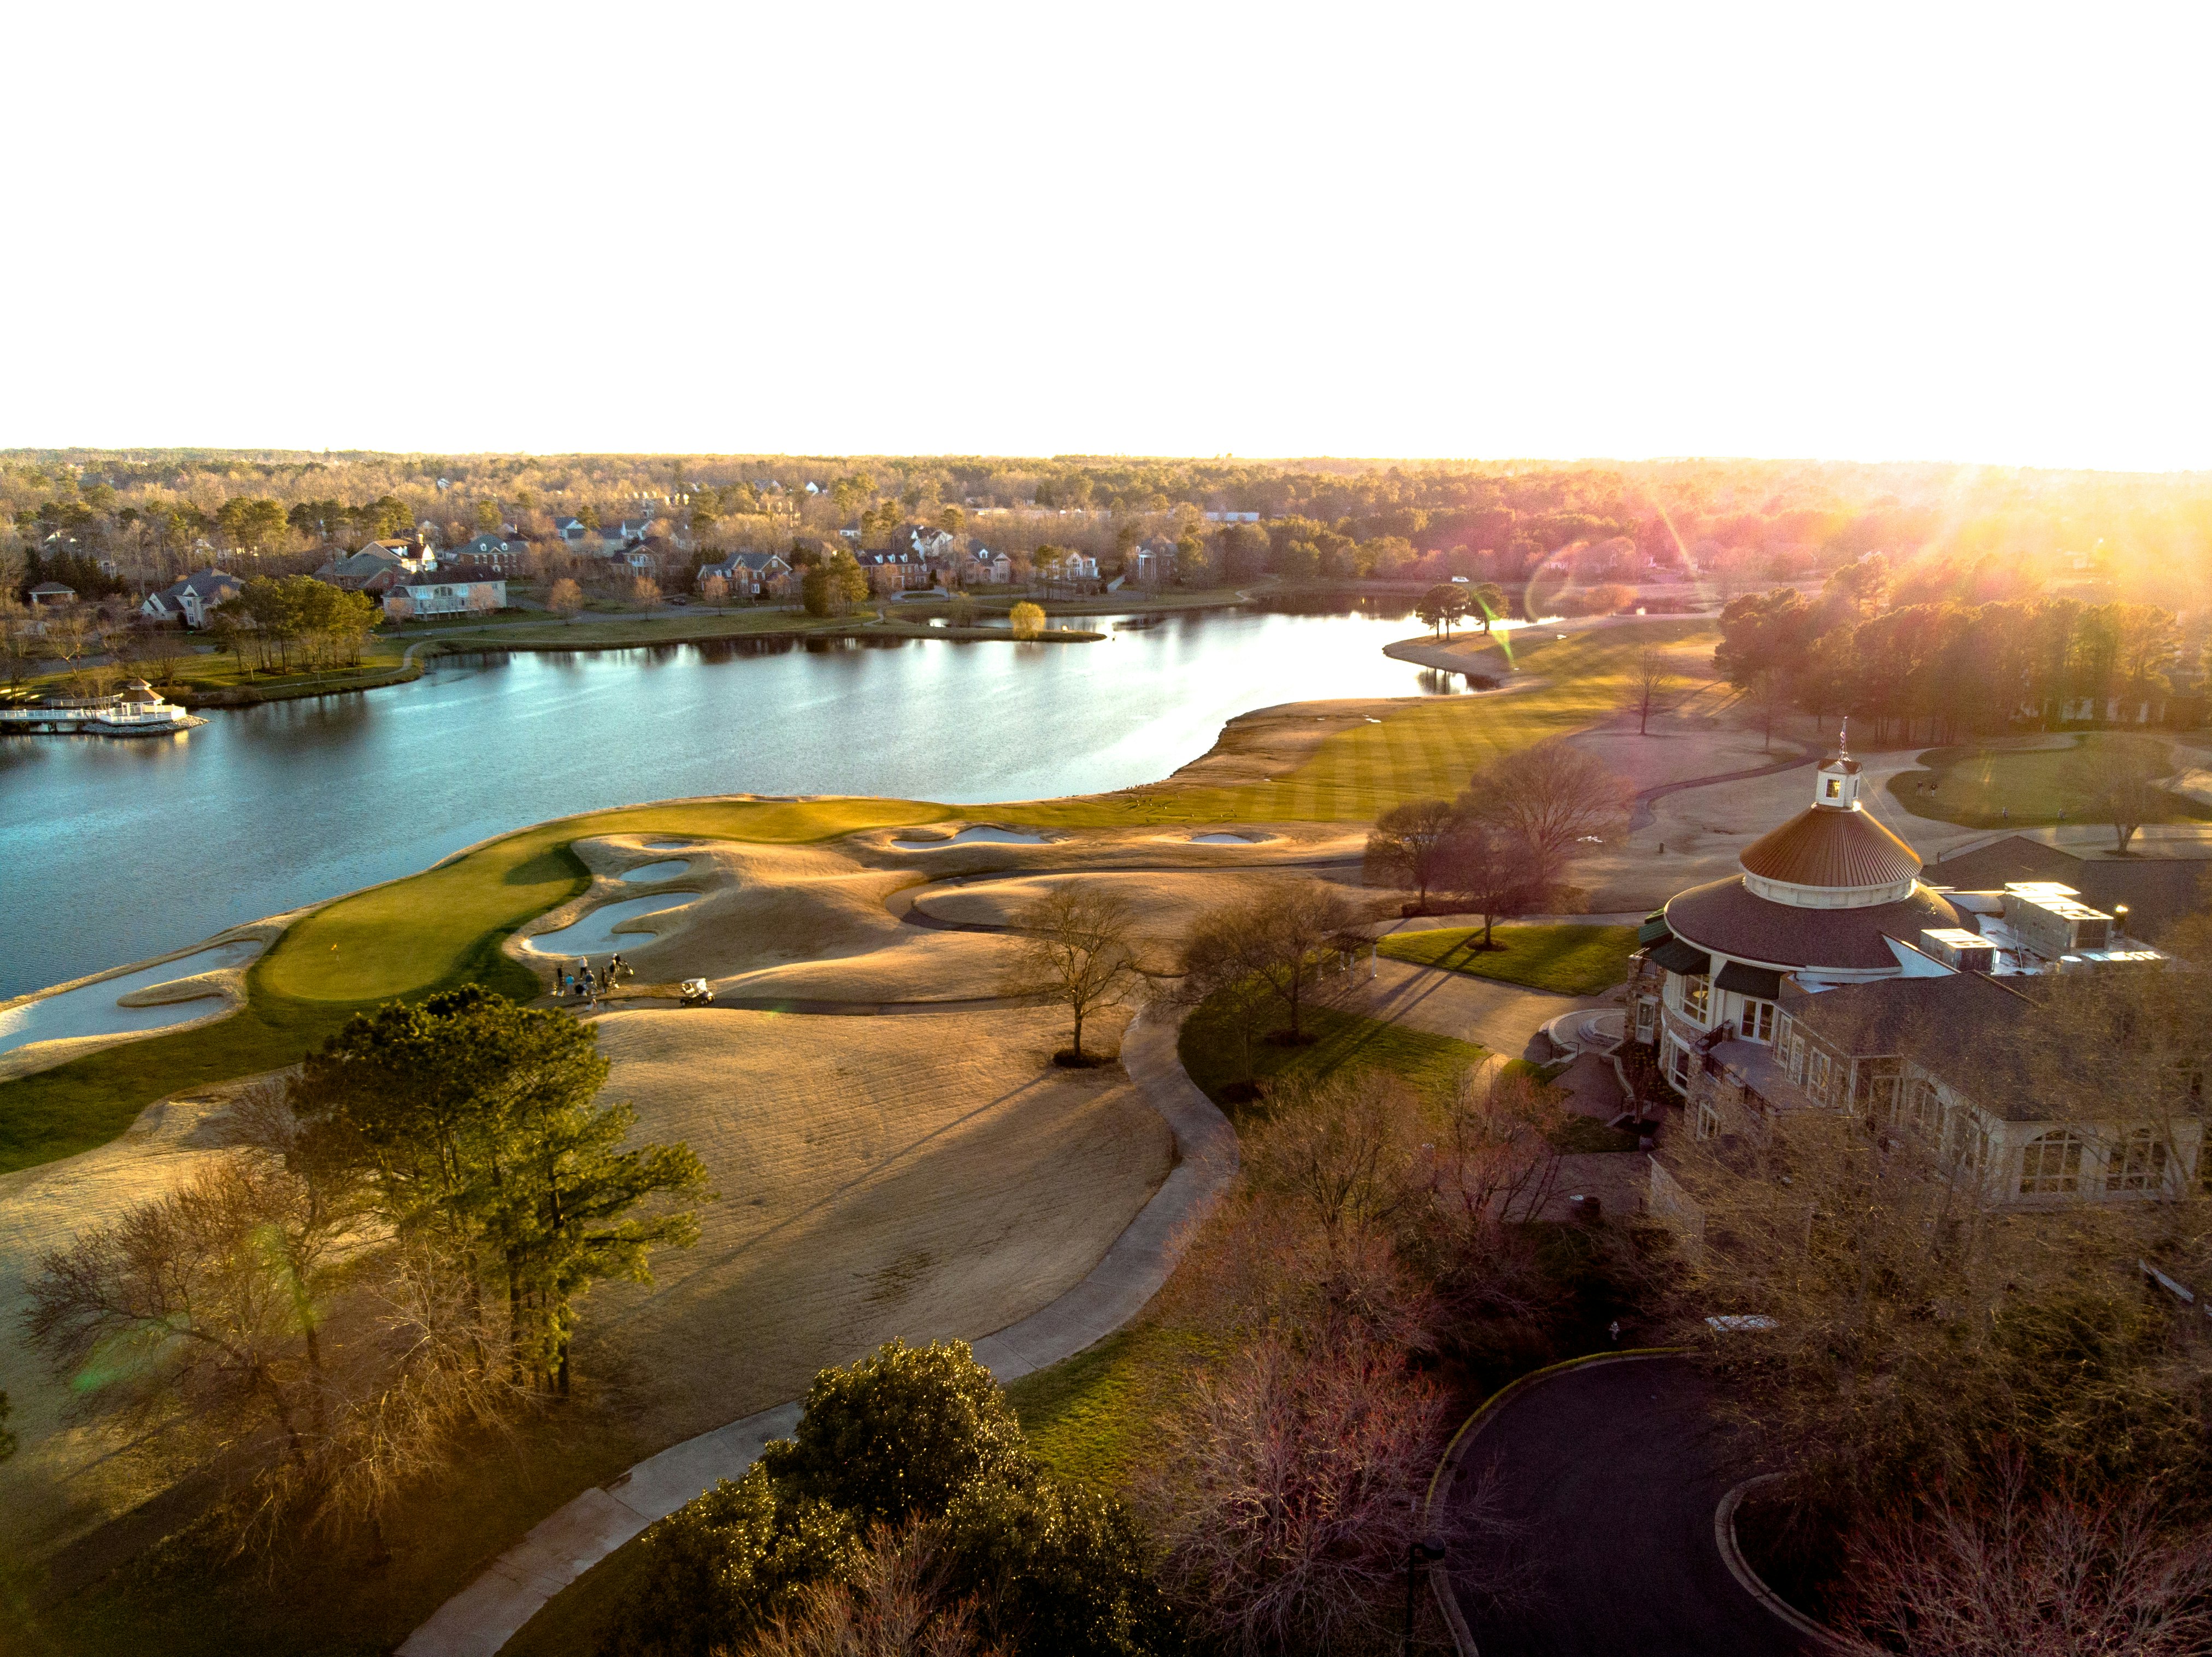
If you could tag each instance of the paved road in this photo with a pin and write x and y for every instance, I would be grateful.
(1615, 1471)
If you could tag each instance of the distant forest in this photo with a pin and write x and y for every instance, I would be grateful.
(1974, 535)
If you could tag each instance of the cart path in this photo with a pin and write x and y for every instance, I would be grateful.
(480, 1618)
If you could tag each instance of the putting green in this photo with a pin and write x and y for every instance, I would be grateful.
(1997, 786)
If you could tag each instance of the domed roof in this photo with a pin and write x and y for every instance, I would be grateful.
(1822, 846)
(1722, 916)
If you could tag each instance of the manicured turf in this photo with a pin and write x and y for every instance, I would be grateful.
(1570, 960)
(1214, 1053)
(405, 940)
(1423, 751)
(1977, 786)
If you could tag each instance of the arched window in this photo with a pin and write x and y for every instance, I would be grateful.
(2137, 1162)
(2051, 1164)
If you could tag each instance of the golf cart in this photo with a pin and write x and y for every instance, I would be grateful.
(695, 993)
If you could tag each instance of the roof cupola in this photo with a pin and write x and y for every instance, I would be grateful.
(1836, 784)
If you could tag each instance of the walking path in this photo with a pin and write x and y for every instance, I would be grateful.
(480, 1618)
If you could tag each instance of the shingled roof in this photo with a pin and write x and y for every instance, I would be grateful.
(1722, 916)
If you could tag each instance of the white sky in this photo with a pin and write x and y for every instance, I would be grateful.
(1940, 233)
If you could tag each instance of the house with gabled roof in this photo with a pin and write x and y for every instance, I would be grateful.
(191, 600)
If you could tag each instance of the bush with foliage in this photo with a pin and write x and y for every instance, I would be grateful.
(917, 1443)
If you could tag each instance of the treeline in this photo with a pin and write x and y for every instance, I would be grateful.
(1943, 668)
(1743, 522)
(295, 621)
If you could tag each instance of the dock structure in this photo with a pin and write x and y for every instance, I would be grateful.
(138, 709)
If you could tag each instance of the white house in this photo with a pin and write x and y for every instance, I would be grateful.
(190, 599)
(428, 596)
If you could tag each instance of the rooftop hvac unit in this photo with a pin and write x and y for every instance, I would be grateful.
(2050, 919)
(1958, 949)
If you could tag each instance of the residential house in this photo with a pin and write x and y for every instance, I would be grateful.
(372, 569)
(414, 556)
(495, 552)
(571, 530)
(930, 544)
(190, 599)
(895, 572)
(443, 595)
(1829, 974)
(1153, 564)
(750, 575)
(984, 568)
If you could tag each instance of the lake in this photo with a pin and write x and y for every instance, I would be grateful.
(115, 850)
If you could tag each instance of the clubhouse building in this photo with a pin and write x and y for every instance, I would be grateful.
(1830, 975)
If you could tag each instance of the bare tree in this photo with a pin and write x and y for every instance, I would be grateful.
(644, 592)
(2010, 1574)
(1491, 871)
(2119, 779)
(1406, 848)
(1495, 1161)
(67, 631)
(1555, 797)
(565, 599)
(715, 590)
(1649, 683)
(1078, 948)
(257, 1316)
(1769, 699)
(1290, 942)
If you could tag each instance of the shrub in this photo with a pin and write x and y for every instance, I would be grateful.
(907, 1498)
(1028, 619)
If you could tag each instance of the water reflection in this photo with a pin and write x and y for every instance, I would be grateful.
(267, 807)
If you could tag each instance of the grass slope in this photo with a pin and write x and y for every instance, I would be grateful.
(1426, 750)
(1977, 785)
(1213, 1051)
(403, 941)
(1569, 960)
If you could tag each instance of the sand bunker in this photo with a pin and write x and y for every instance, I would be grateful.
(1164, 901)
(923, 1176)
(968, 837)
(597, 930)
(1226, 840)
(668, 868)
(94, 1010)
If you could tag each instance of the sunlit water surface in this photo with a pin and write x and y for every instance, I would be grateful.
(115, 850)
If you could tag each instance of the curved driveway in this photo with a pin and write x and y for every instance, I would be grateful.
(1614, 1470)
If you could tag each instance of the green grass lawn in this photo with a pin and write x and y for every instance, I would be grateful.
(402, 941)
(1977, 785)
(1423, 751)
(1216, 1055)
(1567, 960)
